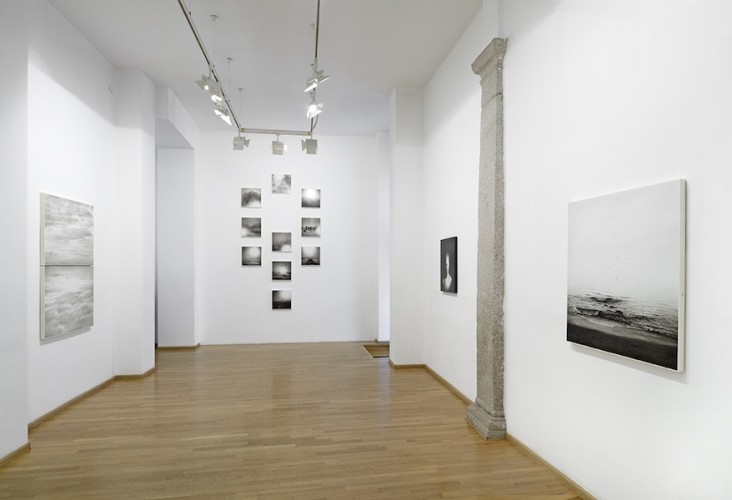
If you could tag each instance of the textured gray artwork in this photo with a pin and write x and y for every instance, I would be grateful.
(310, 226)
(281, 299)
(282, 270)
(281, 183)
(626, 274)
(67, 272)
(310, 256)
(251, 227)
(251, 198)
(251, 256)
(282, 242)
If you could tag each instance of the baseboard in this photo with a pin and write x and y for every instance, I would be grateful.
(447, 384)
(401, 367)
(177, 347)
(136, 377)
(35, 423)
(61, 408)
(15, 454)
(584, 494)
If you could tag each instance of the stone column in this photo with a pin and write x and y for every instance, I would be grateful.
(486, 415)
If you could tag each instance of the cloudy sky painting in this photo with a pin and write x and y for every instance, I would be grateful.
(626, 273)
(67, 233)
(68, 300)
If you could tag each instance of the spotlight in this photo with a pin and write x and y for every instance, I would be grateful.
(310, 146)
(278, 147)
(208, 84)
(223, 113)
(240, 143)
(217, 97)
(314, 108)
(316, 79)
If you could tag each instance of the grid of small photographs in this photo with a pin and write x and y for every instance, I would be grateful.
(282, 246)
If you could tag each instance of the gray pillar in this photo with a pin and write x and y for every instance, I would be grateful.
(486, 415)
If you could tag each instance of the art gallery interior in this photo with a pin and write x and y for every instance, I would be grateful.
(599, 97)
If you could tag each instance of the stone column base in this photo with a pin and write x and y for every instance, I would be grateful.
(487, 425)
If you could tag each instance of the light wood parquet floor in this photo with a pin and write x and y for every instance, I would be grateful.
(273, 422)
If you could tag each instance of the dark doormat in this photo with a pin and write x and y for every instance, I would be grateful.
(377, 349)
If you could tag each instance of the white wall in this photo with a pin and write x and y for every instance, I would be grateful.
(335, 301)
(14, 18)
(602, 97)
(175, 248)
(71, 153)
(134, 346)
(406, 226)
(452, 147)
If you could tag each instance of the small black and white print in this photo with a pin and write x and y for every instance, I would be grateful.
(281, 270)
(251, 256)
(448, 265)
(310, 256)
(310, 226)
(281, 299)
(282, 242)
(281, 183)
(251, 198)
(310, 198)
(251, 227)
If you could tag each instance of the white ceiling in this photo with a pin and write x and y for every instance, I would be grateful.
(368, 47)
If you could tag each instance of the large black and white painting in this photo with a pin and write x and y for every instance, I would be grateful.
(626, 274)
(67, 300)
(310, 226)
(281, 183)
(310, 198)
(251, 256)
(251, 198)
(68, 232)
(310, 256)
(448, 265)
(282, 242)
(67, 272)
(281, 270)
(251, 227)
(281, 299)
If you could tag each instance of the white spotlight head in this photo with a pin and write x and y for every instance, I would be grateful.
(278, 147)
(217, 97)
(223, 113)
(310, 146)
(314, 109)
(316, 79)
(208, 84)
(240, 143)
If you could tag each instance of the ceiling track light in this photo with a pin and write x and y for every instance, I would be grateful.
(314, 108)
(279, 148)
(310, 146)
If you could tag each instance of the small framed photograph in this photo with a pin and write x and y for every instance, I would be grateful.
(281, 270)
(448, 265)
(310, 256)
(281, 299)
(251, 256)
(310, 226)
(282, 242)
(310, 198)
(251, 227)
(251, 198)
(281, 183)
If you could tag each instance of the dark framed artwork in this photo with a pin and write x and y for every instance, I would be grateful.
(281, 183)
(626, 273)
(310, 198)
(310, 226)
(281, 299)
(310, 256)
(449, 265)
(251, 256)
(251, 198)
(282, 242)
(251, 227)
(281, 270)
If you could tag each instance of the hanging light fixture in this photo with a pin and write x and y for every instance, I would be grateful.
(314, 108)
(279, 148)
(240, 142)
(223, 113)
(310, 146)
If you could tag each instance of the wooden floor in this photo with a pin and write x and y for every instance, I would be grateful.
(286, 421)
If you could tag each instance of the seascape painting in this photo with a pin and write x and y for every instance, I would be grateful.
(626, 283)
(310, 256)
(281, 299)
(251, 227)
(282, 242)
(448, 265)
(281, 271)
(310, 226)
(281, 183)
(251, 256)
(67, 232)
(67, 300)
(251, 198)
(310, 198)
